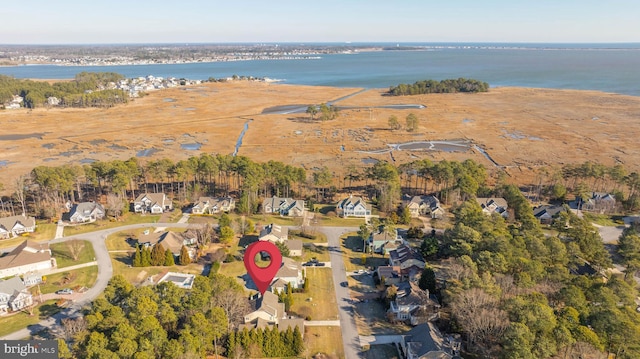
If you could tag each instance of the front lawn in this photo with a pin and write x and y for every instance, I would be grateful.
(43, 232)
(62, 252)
(324, 340)
(320, 302)
(136, 275)
(84, 277)
(356, 260)
(22, 320)
(321, 253)
(129, 218)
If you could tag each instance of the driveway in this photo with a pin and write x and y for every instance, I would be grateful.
(350, 338)
(105, 272)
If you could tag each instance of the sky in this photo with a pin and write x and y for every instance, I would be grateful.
(299, 21)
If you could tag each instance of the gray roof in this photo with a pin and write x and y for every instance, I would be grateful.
(11, 285)
(424, 342)
(353, 200)
(294, 244)
(9, 222)
(276, 230)
(85, 208)
(155, 198)
(548, 209)
(278, 204)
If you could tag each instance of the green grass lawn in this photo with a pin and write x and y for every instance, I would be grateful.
(21, 320)
(604, 219)
(121, 265)
(44, 232)
(311, 251)
(320, 302)
(129, 218)
(354, 260)
(62, 253)
(320, 237)
(84, 277)
(326, 340)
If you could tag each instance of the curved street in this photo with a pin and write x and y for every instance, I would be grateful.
(346, 321)
(105, 271)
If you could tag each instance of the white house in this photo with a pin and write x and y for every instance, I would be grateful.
(152, 203)
(212, 205)
(267, 310)
(423, 206)
(353, 207)
(274, 233)
(290, 272)
(85, 212)
(283, 206)
(412, 303)
(494, 205)
(16, 225)
(14, 295)
(27, 257)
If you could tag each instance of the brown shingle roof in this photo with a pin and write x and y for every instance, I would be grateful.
(26, 253)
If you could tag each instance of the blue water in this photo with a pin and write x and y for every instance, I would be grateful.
(604, 67)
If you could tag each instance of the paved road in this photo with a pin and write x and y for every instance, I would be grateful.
(346, 310)
(105, 271)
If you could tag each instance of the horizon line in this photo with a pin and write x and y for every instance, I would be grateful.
(322, 42)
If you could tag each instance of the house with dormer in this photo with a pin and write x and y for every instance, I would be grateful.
(423, 206)
(171, 241)
(85, 212)
(154, 203)
(290, 273)
(15, 225)
(412, 304)
(283, 206)
(384, 240)
(425, 341)
(600, 202)
(353, 206)
(28, 257)
(14, 296)
(409, 260)
(267, 311)
(494, 205)
(213, 205)
(278, 234)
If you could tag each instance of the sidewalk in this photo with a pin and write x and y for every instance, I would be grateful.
(66, 269)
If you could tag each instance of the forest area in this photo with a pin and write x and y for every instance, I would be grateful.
(513, 288)
(87, 89)
(444, 86)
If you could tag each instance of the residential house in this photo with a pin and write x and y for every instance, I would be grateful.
(548, 213)
(27, 257)
(274, 233)
(14, 295)
(384, 240)
(493, 205)
(16, 225)
(388, 275)
(426, 342)
(283, 206)
(171, 241)
(267, 312)
(412, 304)
(213, 205)
(409, 261)
(85, 212)
(152, 203)
(600, 202)
(353, 207)
(295, 247)
(423, 206)
(290, 272)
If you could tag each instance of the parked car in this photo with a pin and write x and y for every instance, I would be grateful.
(64, 291)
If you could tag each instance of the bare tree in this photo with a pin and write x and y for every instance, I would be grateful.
(234, 304)
(20, 193)
(75, 247)
(114, 204)
(72, 326)
(480, 316)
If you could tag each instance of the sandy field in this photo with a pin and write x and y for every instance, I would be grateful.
(520, 129)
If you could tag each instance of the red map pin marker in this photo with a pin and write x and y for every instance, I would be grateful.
(262, 277)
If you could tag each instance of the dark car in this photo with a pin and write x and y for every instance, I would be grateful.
(64, 291)
(344, 284)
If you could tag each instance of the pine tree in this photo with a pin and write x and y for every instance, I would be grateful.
(231, 344)
(168, 259)
(298, 344)
(145, 257)
(137, 257)
(157, 255)
(305, 286)
(184, 256)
